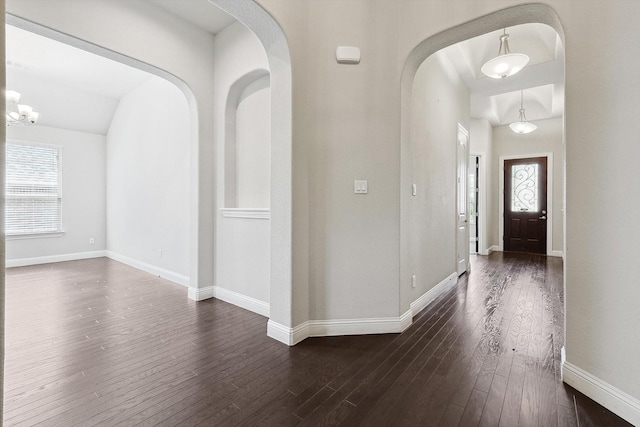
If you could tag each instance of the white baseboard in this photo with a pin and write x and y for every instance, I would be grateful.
(495, 248)
(406, 320)
(199, 294)
(287, 335)
(379, 325)
(558, 254)
(157, 271)
(243, 301)
(612, 398)
(433, 293)
(338, 327)
(21, 262)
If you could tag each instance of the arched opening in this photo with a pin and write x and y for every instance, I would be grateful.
(202, 193)
(128, 131)
(437, 188)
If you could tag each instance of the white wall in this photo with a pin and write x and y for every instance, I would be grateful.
(481, 137)
(440, 101)
(253, 145)
(546, 139)
(242, 123)
(83, 198)
(148, 146)
(343, 132)
(602, 152)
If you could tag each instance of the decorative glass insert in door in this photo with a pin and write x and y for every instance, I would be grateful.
(524, 188)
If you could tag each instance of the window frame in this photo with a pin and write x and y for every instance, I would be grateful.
(34, 234)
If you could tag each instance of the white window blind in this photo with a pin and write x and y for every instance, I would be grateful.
(33, 189)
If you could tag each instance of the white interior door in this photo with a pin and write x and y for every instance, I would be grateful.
(462, 233)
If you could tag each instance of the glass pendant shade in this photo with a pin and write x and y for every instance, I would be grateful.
(19, 114)
(33, 117)
(506, 63)
(522, 126)
(13, 96)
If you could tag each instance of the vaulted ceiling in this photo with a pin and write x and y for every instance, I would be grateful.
(69, 87)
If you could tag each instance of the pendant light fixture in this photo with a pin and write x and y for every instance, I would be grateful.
(506, 63)
(19, 114)
(522, 126)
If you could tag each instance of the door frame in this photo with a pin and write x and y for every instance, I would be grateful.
(483, 248)
(550, 209)
(465, 247)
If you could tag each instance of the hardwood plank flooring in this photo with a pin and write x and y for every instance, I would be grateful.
(98, 343)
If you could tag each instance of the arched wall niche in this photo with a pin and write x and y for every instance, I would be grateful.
(242, 88)
(517, 15)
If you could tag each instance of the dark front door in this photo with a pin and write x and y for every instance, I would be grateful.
(525, 205)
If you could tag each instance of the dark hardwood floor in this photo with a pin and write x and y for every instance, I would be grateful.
(95, 342)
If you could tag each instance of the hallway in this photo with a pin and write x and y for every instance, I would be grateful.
(95, 342)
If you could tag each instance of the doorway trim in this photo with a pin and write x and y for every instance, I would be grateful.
(550, 209)
(481, 202)
(462, 194)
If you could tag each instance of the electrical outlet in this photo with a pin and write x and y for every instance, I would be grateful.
(413, 281)
(92, 241)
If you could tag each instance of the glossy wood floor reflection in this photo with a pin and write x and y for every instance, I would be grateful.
(95, 342)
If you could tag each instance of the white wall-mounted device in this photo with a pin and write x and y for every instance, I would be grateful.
(360, 187)
(348, 55)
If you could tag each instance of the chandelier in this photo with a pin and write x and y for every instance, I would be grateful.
(19, 114)
(522, 126)
(506, 63)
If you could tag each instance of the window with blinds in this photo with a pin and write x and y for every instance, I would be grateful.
(33, 189)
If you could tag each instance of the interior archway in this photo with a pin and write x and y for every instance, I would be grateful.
(192, 137)
(525, 14)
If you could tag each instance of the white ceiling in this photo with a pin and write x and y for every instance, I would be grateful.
(498, 100)
(69, 66)
(203, 14)
(69, 87)
(66, 84)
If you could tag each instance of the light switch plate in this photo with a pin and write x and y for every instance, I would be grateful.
(360, 186)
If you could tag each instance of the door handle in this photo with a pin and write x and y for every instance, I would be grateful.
(542, 217)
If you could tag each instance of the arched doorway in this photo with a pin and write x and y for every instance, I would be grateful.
(411, 299)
